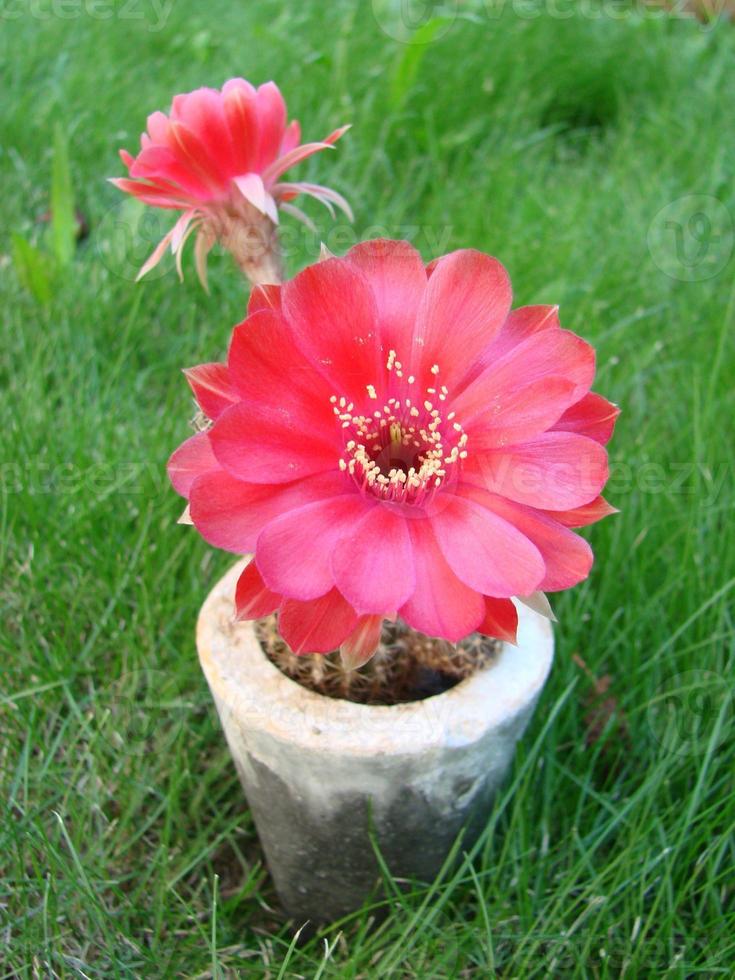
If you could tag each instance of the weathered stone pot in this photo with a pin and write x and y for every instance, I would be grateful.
(322, 774)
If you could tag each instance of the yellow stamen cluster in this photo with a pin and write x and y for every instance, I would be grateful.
(400, 452)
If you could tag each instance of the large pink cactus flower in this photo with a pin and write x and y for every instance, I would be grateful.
(389, 438)
(219, 159)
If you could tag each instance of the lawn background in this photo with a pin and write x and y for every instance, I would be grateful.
(555, 143)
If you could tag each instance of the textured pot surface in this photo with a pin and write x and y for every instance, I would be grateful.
(322, 774)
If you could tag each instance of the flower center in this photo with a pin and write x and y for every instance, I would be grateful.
(407, 449)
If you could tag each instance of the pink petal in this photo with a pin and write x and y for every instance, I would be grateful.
(253, 599)
(396, 274)
(373, 562)
(230, 514)
(158, 252)
(159, 163)
(180, 231)
(272, 123)
(362, 642)
(325, 195)
(193, 458)
(593, 416)
(268, 372)
(520, 324)
(205, 241)
(159, 197)
(202, 111)
(194, 155)
(294, 551)
(157, 125)
(465, 304)
(292, 137)
(556, 470)
(159, 187)
(319, 626)
(548, 353)
(337, 134)
(299, 215)
(238, 97)
(334, 319)
(567, 557)
(539, 602)
(584, 515)
(512, 416)
(258, 444)
(441, 604)
(179, 235)
(252, 188)
(501, 620)
(212, 388)
(255, 192)
(526, 320)
(264, 297)
(486, 552)
(289, 159)
(239, 86)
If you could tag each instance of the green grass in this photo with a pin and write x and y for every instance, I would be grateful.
(126, 849)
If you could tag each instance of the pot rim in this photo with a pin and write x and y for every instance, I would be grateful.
(245, 682)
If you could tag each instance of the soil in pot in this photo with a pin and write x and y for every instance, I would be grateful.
(406, 667)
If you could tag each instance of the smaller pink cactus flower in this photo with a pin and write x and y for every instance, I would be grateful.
(219, 158)
(392, 439)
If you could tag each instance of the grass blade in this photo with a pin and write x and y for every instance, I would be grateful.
(63, 222)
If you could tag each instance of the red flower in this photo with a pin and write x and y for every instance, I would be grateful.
(218, 158)
(391, 439)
